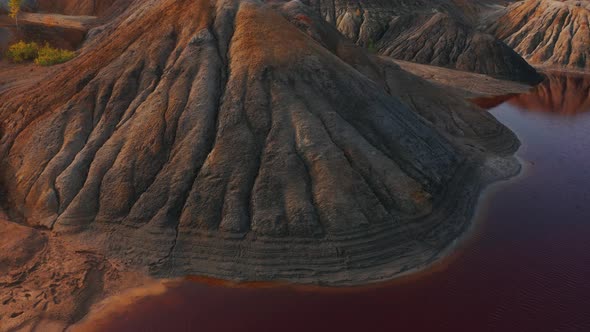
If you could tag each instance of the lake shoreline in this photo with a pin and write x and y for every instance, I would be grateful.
(112, 307)
(479, 178)
(438, 263)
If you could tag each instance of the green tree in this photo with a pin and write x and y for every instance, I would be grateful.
(14, 8)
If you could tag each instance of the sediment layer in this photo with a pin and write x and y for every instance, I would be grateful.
(245, 141)
(441, 33)
(547, 32)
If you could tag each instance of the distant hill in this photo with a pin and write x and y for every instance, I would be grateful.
(442, 33)
(547, 32)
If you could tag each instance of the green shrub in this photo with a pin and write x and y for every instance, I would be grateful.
(22, 51)
(371, 47)
(49, 56)
(43, 56)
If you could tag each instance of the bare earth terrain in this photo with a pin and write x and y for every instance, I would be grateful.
(233, 139)
(547, 33)
(441, 33)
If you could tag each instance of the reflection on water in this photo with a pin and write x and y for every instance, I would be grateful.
(527, 268)
(491, 102)
(563, 94)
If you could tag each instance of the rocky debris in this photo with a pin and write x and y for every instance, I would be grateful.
(547, 32)
(47, 283)
(17, 255)
(244, 140)
(441, 33)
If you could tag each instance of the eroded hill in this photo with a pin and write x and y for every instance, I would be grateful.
(441, 33)
(200, 130)
(547, 32)
(239, 140)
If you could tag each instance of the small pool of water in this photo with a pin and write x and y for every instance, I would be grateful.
(527, 268)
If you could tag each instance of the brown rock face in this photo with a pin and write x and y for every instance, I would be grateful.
(547, 32)
(243, 140)
(442, 33)
(442, 41)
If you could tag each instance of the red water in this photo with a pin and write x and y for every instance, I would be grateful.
(527, 268)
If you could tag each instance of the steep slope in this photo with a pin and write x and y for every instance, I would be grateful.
(245, 141)
(442, 41)
(441, 33)
(547, 32)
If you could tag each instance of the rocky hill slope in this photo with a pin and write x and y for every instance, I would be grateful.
(442, 33)
(547, 32)
(244, 140)
(232, 139)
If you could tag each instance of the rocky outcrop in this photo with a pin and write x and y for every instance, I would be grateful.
(547, 32)
(442, 41)
(245, 141)
(441, 33)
